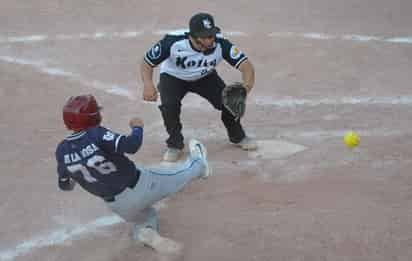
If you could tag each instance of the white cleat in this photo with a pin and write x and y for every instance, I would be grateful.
(172, 154)
(197, 149)
(152, 222)
(247, 143)
(162, 245)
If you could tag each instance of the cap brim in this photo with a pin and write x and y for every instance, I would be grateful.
(212, 32)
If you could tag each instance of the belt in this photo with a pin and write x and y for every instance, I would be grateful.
(131, 186)
(109, 199)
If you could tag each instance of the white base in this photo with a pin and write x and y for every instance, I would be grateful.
(275, 149)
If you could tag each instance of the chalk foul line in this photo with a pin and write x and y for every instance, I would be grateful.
(130, 34)
(343, 37)
(288, 102)
(57, 237)
(42, 67)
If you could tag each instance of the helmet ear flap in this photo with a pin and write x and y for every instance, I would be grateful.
(97, 119)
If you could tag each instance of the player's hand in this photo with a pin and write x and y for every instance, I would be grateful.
(136, 122)
(149, 92)
(248, 87)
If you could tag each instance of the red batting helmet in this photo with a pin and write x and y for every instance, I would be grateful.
(81, 112)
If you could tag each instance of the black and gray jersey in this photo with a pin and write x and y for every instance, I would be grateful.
(179, 58)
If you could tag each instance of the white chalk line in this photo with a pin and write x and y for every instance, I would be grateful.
(326, 134)
(344, 37)
(94, 36)
(208, 134)
(288, 102)
(42, 67)
(57, 237)
(293, 102)
(80, 36)
(135, 34)
(62, 235)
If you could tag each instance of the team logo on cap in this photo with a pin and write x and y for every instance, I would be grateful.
(235, 52)
(155, 52)
(207, 23)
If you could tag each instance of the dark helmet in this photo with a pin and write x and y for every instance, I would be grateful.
(81, 112)
(202, 25)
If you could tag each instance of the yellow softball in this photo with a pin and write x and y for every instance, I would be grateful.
(351, 139)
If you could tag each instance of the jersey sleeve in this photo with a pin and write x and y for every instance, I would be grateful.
(61, 167)
(107, 139)
(231, 53)
(116, 143)
(131, 143)
(159, 52)
(63, 177)
(64, 180)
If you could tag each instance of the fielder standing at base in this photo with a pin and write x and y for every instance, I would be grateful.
(187, 64)
(94, 157)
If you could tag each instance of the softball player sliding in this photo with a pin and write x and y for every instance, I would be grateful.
(94, 157)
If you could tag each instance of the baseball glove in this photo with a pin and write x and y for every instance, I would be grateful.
(234, 99)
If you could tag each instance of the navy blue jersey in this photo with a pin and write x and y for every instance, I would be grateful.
(95, 159)
(177, 56)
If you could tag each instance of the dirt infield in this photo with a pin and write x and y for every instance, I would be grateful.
(323, 67)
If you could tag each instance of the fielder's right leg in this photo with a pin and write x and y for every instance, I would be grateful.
(172, 91)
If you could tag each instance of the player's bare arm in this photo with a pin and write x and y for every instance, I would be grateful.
(248, 74)
(149, 89)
